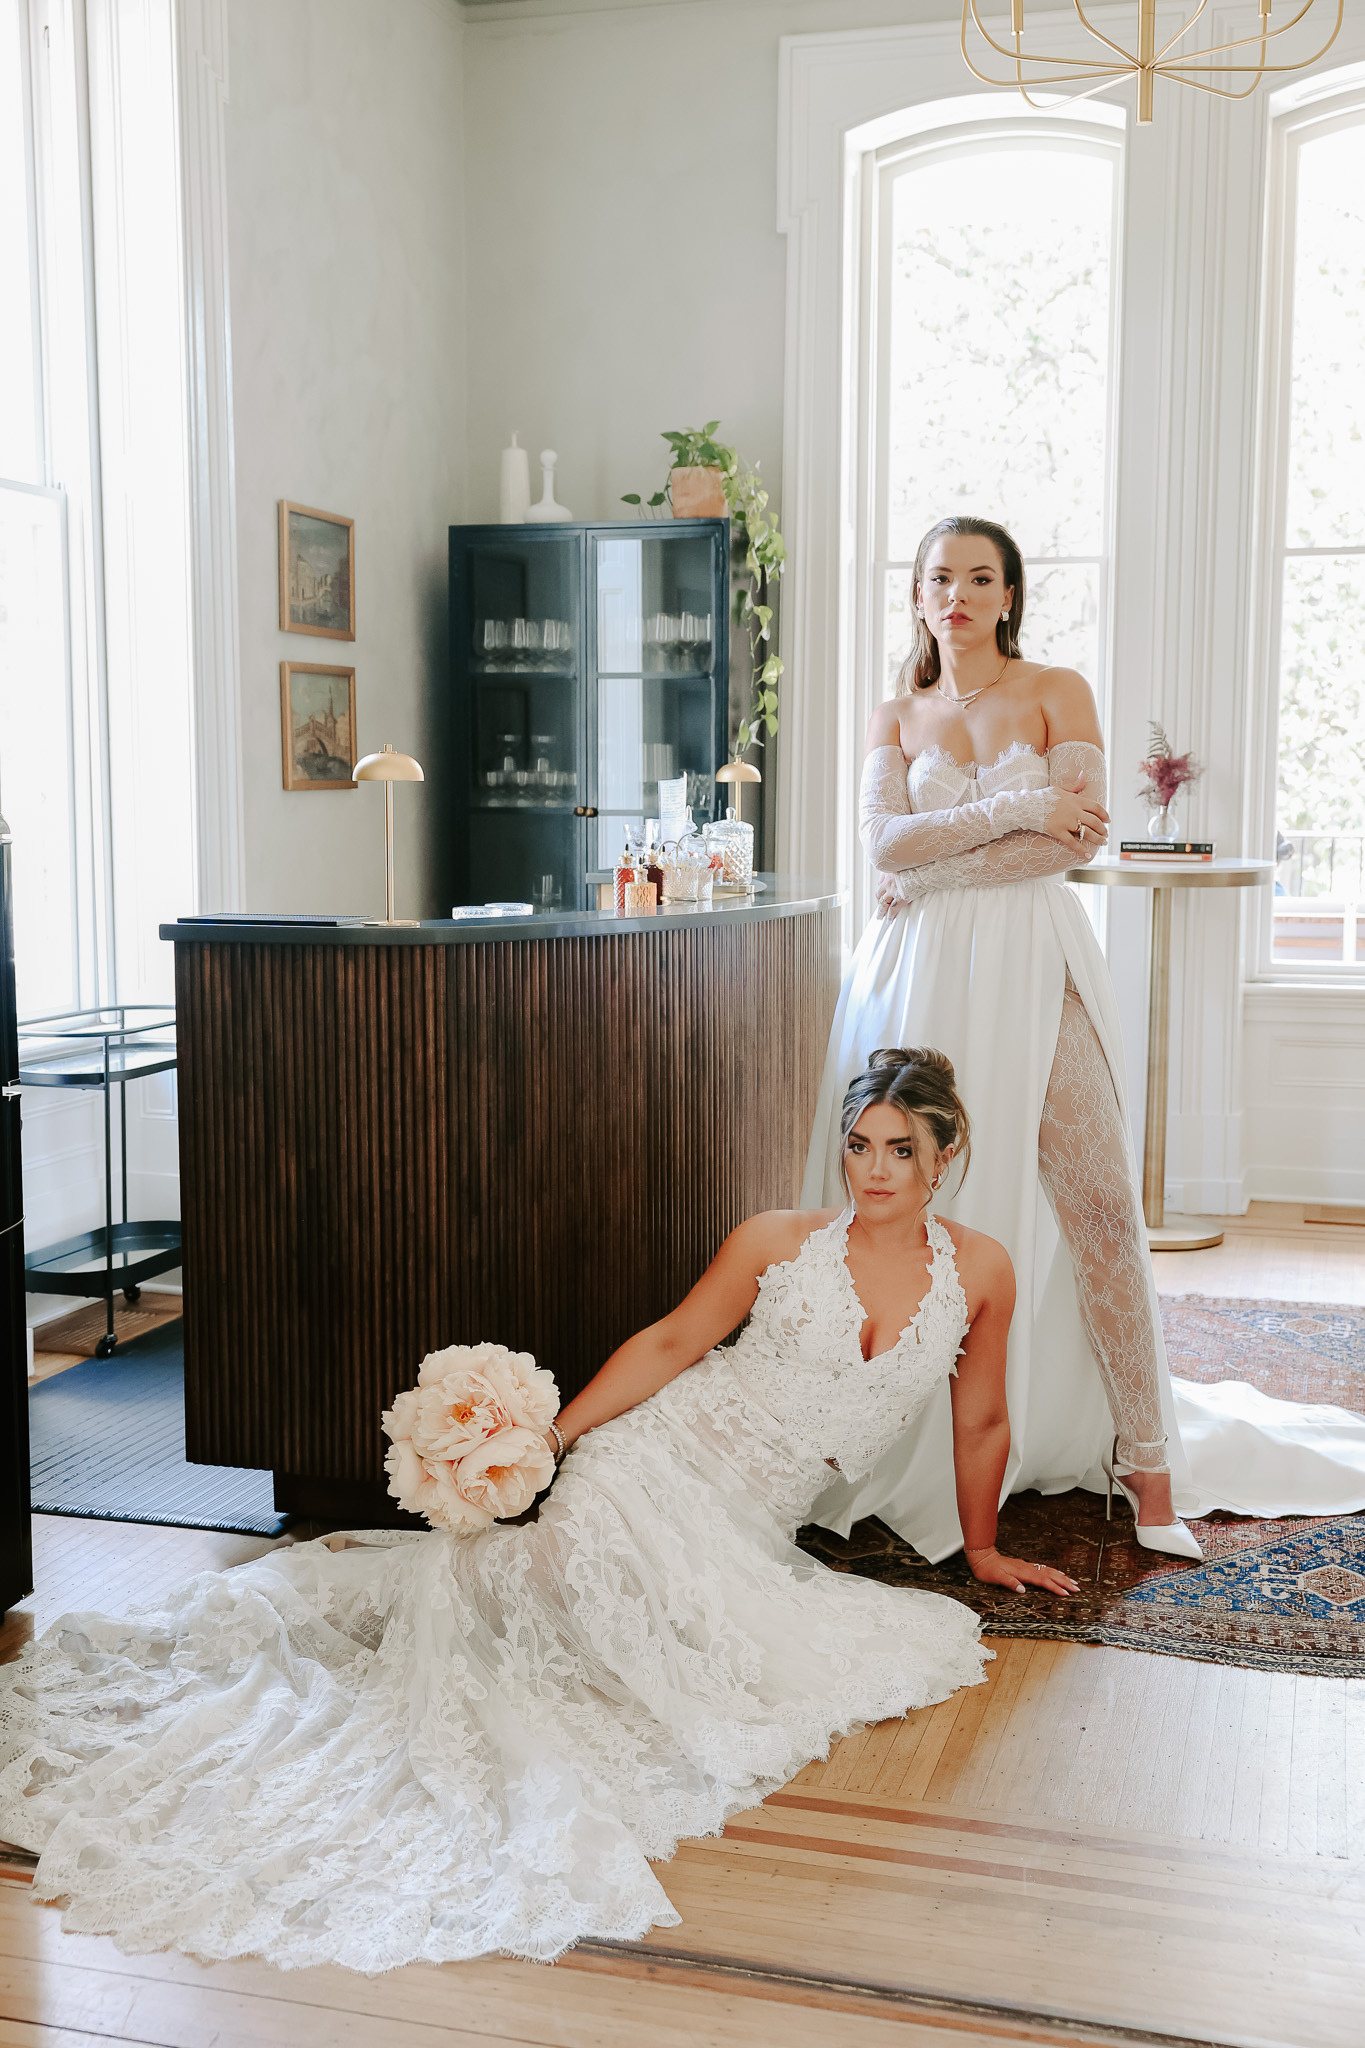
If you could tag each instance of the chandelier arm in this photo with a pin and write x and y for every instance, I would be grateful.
(1222, 92)
(1089, 65)
(1241, 43)
(1181, 33)
(1108, 41)
(1104, 75)
(1072, 98)
(1177, 71)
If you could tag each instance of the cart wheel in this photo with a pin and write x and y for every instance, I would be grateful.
(132, 1294)
(105, 1347)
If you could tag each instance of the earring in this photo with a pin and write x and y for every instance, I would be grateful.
(1003, 617)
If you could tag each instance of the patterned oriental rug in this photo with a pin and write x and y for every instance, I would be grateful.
(1285, 1595)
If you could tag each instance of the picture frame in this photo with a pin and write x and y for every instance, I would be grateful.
(317, 725)
(317, 572)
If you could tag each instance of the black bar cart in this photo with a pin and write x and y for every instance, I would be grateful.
(105, 1049)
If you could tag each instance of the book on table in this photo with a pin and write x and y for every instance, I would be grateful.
(1166, 849)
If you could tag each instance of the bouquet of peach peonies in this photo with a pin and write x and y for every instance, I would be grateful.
(468, 1441)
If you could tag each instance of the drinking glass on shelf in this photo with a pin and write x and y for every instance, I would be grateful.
(518, 641)
(491, 639)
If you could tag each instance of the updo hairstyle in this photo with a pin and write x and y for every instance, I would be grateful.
(921, 1084)
(921, 668)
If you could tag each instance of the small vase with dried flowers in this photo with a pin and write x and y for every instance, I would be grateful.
(1164, 775)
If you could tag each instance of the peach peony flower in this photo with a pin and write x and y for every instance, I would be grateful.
(457, 1358)
(528, 1393)
(399, 1419)
(456, 1413)
(409, 1481)
(450, 1508)
(504, 1475)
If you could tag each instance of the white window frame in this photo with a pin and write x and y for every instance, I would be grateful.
(63, 1183)
(1300, 114)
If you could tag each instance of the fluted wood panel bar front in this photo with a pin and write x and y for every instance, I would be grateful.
(392, 1141)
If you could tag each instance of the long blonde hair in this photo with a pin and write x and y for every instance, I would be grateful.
(921, 667)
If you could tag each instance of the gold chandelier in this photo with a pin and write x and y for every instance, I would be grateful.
(1147, 63)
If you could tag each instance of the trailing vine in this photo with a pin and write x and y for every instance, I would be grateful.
(765, 557)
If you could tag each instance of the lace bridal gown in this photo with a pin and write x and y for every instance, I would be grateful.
(435, 1748)
(992, 960)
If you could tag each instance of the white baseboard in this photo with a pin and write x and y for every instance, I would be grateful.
(1207, 1197)
(1343, 1184)
(50, 1308)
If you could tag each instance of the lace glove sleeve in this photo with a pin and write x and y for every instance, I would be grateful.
(1025, 856)
(895, 837)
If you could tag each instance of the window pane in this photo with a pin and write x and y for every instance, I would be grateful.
(999, 346)
(1326, 500)
(1321, 796)
(19, 442)
(35, 749)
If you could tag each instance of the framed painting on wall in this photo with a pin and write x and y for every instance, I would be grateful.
(317, 717)
(317, 572)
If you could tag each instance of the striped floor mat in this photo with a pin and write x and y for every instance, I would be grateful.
(107, 1439)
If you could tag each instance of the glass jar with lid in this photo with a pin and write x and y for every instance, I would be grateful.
(687, 871)
(733, 840)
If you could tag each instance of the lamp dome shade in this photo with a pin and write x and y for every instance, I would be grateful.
(386, 766)
(738, 771)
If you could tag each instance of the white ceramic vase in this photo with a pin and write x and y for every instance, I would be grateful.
(515, 496)
(545, 510)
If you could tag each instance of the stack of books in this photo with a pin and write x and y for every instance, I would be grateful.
(1166, 849)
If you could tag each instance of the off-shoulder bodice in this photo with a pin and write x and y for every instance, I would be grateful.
(937, 781)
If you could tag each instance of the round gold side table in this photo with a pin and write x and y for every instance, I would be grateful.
(1163, 876)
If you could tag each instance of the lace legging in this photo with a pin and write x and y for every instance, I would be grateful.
(1083, 1160)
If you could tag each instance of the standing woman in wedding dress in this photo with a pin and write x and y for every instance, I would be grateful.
(983, 780)
(432, 1747)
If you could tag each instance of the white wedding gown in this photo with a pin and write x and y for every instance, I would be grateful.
(992, 961)
(431, 1748)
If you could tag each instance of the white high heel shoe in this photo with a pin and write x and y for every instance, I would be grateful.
(1171, 1537)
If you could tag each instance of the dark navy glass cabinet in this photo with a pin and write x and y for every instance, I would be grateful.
(588, 664)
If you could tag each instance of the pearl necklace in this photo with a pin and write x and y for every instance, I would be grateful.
(971, 695)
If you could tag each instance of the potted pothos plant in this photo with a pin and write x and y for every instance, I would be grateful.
(707, 480)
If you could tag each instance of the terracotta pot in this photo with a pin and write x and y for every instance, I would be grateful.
(698, 494)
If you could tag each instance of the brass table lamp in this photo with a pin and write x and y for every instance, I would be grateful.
(738, 772)
(388, 768)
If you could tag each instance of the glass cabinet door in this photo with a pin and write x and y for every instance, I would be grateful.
(658, 707)
(519, 615)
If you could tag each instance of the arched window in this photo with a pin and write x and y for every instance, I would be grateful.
(989, 266)
(995, 285)
(1316, 507)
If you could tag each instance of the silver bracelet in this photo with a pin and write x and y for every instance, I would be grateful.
(563, 1447)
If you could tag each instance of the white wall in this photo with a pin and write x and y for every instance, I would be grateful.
(1303, 1095)
(346, 248)
(625, 270)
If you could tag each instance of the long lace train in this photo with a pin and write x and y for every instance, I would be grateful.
(432, 1748)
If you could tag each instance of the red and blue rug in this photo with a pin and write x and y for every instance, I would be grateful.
(1286, 1595)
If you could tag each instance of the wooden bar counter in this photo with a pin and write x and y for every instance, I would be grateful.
(535, 1131)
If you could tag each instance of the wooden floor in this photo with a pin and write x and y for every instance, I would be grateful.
(1271, 1254)
(1095, 1845)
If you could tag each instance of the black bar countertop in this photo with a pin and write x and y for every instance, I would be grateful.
(782, 896)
